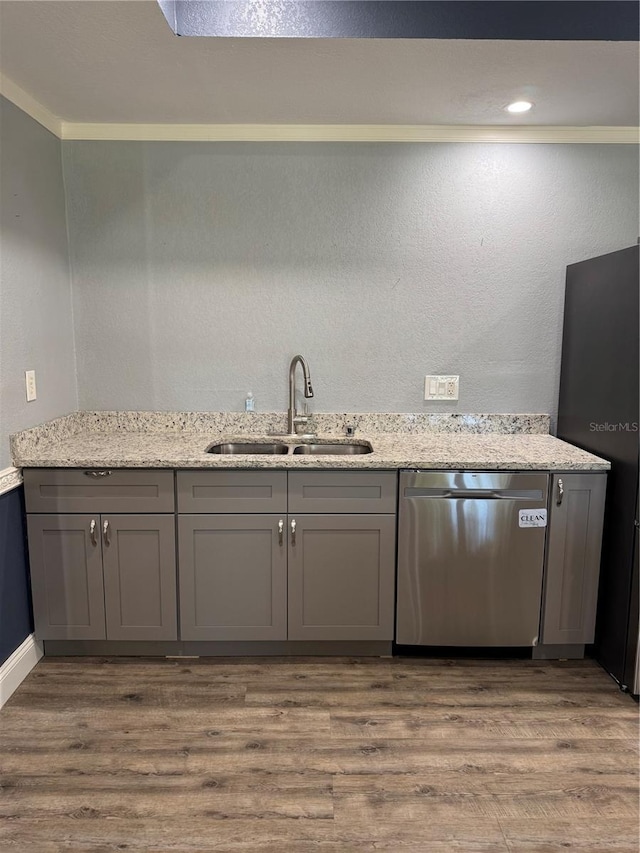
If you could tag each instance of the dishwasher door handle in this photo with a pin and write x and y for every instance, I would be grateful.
(478, 494)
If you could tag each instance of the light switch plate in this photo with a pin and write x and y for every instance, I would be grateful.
(441, 387)
(30, 384)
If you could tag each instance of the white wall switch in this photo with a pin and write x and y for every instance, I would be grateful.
(441, 387)
(30, 382)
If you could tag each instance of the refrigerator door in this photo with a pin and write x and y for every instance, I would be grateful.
(598, 411)
(631, 676)
(600, 352)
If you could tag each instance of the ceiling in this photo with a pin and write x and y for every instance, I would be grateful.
(104, 61)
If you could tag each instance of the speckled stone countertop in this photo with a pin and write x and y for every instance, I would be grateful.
(180, 440)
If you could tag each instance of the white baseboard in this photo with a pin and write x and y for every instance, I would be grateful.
(17, 667)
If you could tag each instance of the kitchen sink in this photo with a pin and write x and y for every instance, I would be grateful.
(236, 447)
(332, 449)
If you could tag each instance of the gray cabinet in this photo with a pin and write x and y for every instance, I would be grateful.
(342, 491)
(97, 577)
(105, 572)
(98, 490)
(139, 560)
(233, 577)
(250, 571)
(341, 577)
(66, 577)
(574, 542)
(232, 491)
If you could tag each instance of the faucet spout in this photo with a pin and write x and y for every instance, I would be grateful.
(293, 418)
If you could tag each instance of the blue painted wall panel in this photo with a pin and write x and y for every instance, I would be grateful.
(16, 619)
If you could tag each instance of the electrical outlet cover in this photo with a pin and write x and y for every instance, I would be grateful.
(441, 387)
(30, 383)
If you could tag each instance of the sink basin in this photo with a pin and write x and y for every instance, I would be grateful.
(237, 447)
(332, 449)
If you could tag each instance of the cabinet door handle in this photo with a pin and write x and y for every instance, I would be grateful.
(97, 474)
(105, 532)
(560, 491)
(92, 532)
(293, 531)
(280, 531)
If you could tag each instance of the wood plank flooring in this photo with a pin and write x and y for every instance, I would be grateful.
(318, 756)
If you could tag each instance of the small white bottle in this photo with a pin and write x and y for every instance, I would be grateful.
(249, 403)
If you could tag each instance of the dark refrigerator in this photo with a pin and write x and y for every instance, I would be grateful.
(598, 411)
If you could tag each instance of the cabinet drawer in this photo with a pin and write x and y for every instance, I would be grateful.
(342, 491)
(94, 490)
(232, 491)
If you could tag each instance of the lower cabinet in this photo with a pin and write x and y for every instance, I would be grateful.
(341, 577)
(304, 555)
(574, 540)
(98, 577)
(139, 560)
(263, 555)
(66, 577)
(233, 577)
(271, 555)
(278, 577)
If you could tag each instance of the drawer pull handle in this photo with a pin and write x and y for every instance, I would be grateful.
(560, 491)
(293, 531)
(97, 474)
(280, 531)
(105, 532)
(92, 532)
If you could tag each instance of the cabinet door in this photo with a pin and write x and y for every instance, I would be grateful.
(573, 558)
(139, 556)
(66, 577)
(341, 577)
(233, 577)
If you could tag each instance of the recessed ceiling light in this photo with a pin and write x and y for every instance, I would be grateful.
(519, 107)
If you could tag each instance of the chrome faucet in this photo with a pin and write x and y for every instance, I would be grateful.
(293, 418)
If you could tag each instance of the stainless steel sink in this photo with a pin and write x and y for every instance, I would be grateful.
(238, 447)
(332, 449)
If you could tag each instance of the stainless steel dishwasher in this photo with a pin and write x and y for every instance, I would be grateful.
(470, 558)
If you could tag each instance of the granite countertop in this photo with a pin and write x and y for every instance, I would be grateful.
(127, 440)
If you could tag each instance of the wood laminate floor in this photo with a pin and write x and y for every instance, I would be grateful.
(318, 756)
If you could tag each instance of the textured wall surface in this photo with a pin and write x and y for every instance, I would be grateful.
(16, 622)
(200, 269)
(35, 291)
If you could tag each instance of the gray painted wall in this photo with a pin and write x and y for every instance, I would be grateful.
(35, 291)
(200, 269)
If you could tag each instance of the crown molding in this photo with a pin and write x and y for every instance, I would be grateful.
(348, 133)
(28, 104)
(110, 131)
